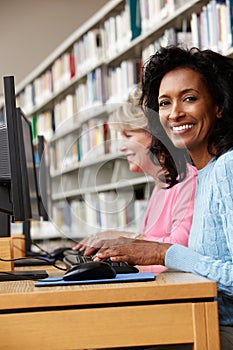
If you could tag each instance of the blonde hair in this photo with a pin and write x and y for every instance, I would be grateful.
(130, 115)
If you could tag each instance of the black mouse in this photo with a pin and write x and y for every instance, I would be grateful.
(92, 270)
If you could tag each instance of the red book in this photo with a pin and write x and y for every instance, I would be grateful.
(72, 66)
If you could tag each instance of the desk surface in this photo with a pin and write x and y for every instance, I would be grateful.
(175, 308)
(23, 294)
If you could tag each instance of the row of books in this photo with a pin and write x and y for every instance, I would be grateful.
(170, 37)
(65, 112)
(90, 50)
(211, 28)
(36, 92)
(122, 78)
(153, 11)
(103, 174)
(94, 138)
(136, 18)
(63, 70)
(64, 153)
(91, 93)
(94, 213)
(43, 124)
(117, 32)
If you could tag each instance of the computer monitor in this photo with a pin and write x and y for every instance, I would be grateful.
(32, 185)
(42, 173)
(42, 169)
(19, 195)
(18, 183)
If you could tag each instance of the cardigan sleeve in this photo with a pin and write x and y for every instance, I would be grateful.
(216, 266)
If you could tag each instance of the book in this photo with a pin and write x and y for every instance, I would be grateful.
(135, 18)
(108, 209)
(78, 218)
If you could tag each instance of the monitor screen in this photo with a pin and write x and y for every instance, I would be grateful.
(30, 165)
(42, 167)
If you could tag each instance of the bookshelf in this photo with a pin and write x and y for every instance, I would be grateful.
(70, 96)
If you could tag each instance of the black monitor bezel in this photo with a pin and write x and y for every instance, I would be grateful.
(12, 123)
(19, 185)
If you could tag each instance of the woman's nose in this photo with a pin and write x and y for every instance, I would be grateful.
(176, 112)
(123, 146)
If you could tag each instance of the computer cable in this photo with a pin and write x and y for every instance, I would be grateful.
(39, 258)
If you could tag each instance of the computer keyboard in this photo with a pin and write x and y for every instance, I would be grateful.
(73, 258)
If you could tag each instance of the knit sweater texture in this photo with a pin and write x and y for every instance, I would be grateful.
(210, 247)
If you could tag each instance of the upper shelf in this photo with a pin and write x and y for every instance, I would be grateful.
(135, 46)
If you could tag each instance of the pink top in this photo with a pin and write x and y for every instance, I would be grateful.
(168, 217)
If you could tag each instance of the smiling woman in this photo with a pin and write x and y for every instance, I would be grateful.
(192, 92)
(168, 216)
(188, 99)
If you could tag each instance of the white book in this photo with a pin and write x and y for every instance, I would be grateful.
(78, 218)
(195, 25)
(108, 210)
(92, 211)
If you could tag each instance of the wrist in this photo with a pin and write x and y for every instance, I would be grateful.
(163, 250)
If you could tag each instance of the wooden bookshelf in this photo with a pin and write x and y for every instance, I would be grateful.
(71, 94)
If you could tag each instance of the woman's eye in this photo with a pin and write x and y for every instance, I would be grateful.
(190, 98)
(163, 103)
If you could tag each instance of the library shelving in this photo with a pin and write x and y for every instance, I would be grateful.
(70, 96)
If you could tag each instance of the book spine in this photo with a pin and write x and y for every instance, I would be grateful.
(135, 18)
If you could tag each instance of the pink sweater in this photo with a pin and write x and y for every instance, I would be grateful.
(169, 214)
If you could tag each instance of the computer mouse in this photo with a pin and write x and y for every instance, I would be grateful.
(93, 270)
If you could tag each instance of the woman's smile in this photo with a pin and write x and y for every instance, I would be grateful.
(180, 129)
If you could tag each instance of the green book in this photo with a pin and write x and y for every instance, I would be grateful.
(135, 18)
(33, 124)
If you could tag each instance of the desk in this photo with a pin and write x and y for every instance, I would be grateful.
(176, 308)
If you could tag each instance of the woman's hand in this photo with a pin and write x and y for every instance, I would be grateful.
(93, 243)
(137, 252)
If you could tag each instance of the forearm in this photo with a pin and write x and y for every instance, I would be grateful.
(186, 259)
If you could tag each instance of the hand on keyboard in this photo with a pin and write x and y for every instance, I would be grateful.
(75, 257)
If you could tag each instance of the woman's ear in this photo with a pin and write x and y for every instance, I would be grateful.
(162, 158)
(219, 112)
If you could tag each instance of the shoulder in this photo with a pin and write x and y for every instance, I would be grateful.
(223, 167)
(225, 156)
(224, 163)
(191, 170)
(191, 176)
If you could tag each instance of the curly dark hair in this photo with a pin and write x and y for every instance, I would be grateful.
(217, 73)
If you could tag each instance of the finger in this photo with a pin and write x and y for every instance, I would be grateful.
(77, 246)
(90, 250)
(105, 253)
